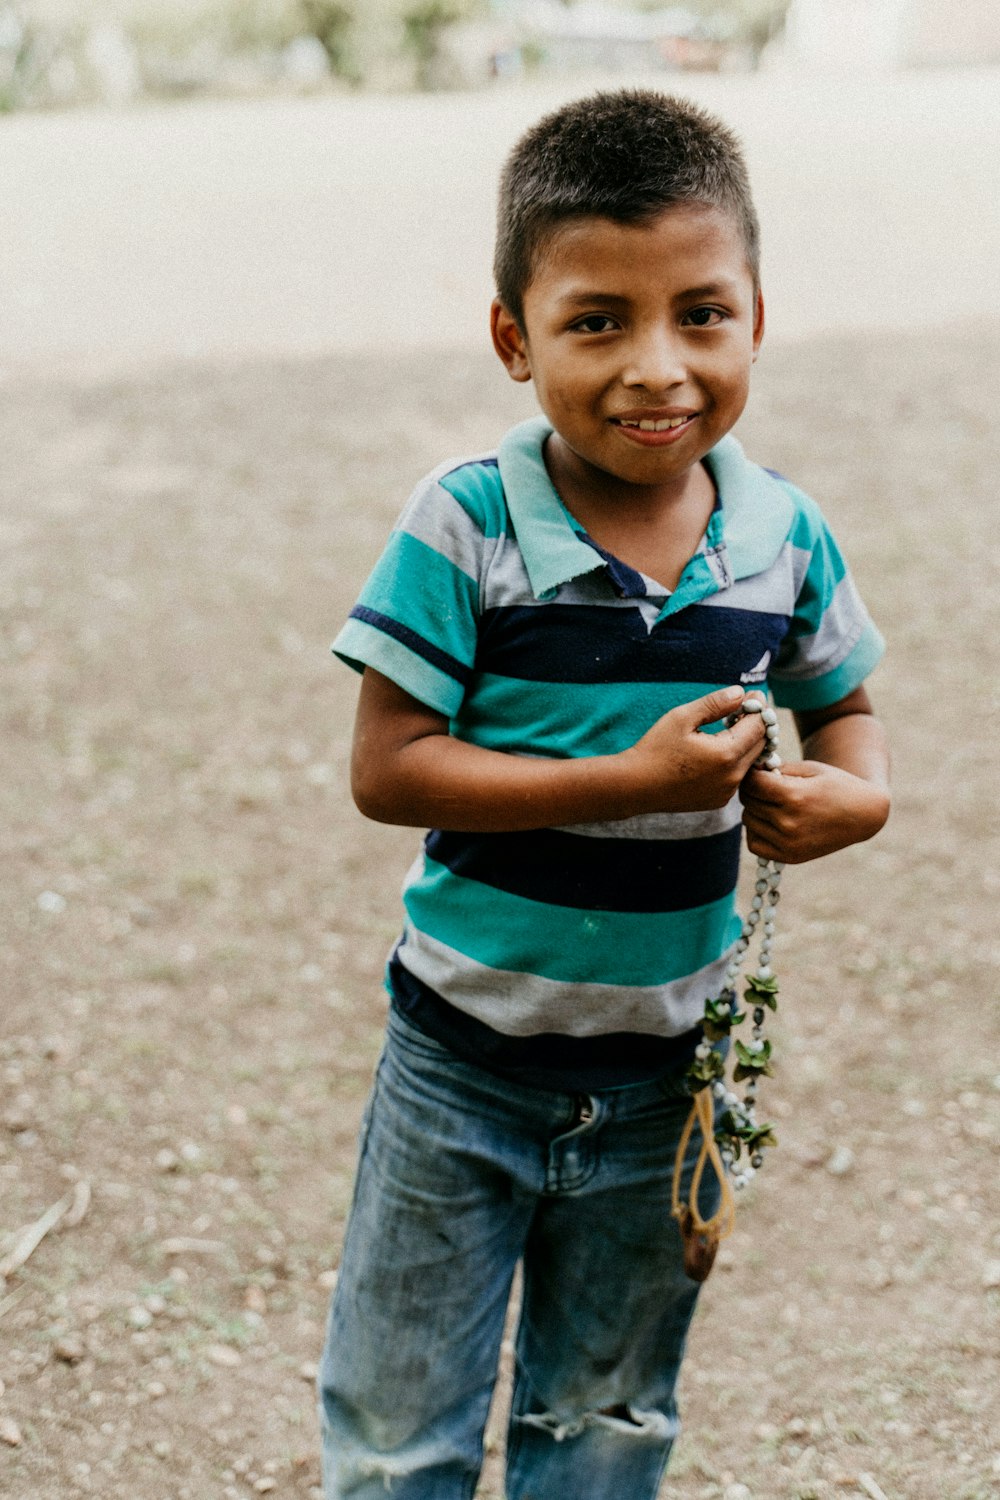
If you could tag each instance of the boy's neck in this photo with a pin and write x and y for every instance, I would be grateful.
(654, 528)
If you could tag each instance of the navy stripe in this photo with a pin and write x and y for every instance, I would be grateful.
(443, 660)
(595, 874)
(547, 1060)
(599, 644)
(626, 582)
(473, 463)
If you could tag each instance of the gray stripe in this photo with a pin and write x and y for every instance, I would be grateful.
(432, 515)
(772, 592)
(507, 584)
(841, 627)
(527, 1004)
(690, 825)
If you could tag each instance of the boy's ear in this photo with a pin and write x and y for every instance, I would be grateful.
(758, 324)
(509, 342)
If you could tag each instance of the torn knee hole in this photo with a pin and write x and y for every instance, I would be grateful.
(621, 1413)
(560, 1428)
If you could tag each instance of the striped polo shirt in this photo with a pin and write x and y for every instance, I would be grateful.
(582, 956)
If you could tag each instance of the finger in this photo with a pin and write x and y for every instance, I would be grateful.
(715, 706)
(803, 768)
(761, 825)
(768, 788)
(766, 848)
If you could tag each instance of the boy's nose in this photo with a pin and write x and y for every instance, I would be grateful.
(655, 361)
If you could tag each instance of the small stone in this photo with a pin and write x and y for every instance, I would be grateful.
(736, 1492)
(308, 1370)
(327, 1280)
(797, 1427)
(162, 1449)
(224, 1356)
(167, 1160)
(140, 1317)
(255, 1299)
(264, 1485)
(840, 1162)
(10, 1433)
(871, 1487)
(991, 1275)
(70, 1349)
(156, 1304)
(51, 902)
(155, 1389)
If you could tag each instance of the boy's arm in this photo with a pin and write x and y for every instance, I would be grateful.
(406, 768)
(836, 796)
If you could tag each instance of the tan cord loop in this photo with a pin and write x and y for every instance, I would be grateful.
(723, 1221)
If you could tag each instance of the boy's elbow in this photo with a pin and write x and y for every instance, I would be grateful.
(371, 794)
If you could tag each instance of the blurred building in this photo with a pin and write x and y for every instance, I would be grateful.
(890, 33)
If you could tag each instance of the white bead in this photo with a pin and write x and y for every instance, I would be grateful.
(769, 716)
(756, 1046)
(702, 1049)
(756, 903)
(764, 971)
(772, 761)
(719, 1089)
(753, 705)
(772, 733)
(778, 866)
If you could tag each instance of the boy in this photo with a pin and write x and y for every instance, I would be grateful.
(549, 644)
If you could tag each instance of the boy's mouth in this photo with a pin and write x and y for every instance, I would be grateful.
(655, 430)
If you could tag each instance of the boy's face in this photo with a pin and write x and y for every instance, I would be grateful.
(638, 323)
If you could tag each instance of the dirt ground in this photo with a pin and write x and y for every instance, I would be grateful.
(194, 922)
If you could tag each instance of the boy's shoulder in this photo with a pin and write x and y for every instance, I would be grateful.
(473, 484)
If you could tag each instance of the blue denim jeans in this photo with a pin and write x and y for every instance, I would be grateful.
(463, 1174)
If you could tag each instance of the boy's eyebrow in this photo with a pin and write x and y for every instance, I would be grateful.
(588, 296)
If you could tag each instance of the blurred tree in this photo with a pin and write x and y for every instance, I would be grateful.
(424, 25)
(332, 23)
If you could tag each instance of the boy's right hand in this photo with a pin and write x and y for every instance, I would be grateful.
(677, 768)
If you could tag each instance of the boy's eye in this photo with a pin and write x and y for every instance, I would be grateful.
(595, 323)
(704, 317)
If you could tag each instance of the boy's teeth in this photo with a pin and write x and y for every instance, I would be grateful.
(647, 426)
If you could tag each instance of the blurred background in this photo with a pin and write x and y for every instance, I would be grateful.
(244, 280)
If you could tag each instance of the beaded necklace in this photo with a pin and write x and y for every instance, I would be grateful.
(737, 1130)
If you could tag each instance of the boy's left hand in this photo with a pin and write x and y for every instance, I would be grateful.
(808, 809)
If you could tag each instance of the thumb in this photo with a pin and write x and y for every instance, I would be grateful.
(802, 768)
(715, 706)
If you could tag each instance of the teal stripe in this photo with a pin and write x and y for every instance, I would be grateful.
(509, 932)
(820, 692)
(360, 645)
(567, 719)
(422, 589)
(479, 492)
(696, 582)
(825, 571)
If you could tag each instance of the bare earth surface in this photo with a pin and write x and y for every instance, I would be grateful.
(200, 461)
(195, 920)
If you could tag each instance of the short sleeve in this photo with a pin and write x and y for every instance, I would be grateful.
(832, 644)
(417, 618)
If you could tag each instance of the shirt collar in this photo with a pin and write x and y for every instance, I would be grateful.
(745, 535)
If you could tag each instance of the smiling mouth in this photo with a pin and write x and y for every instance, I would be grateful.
(649, 424)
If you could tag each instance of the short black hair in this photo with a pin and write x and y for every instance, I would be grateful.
(626, 156)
